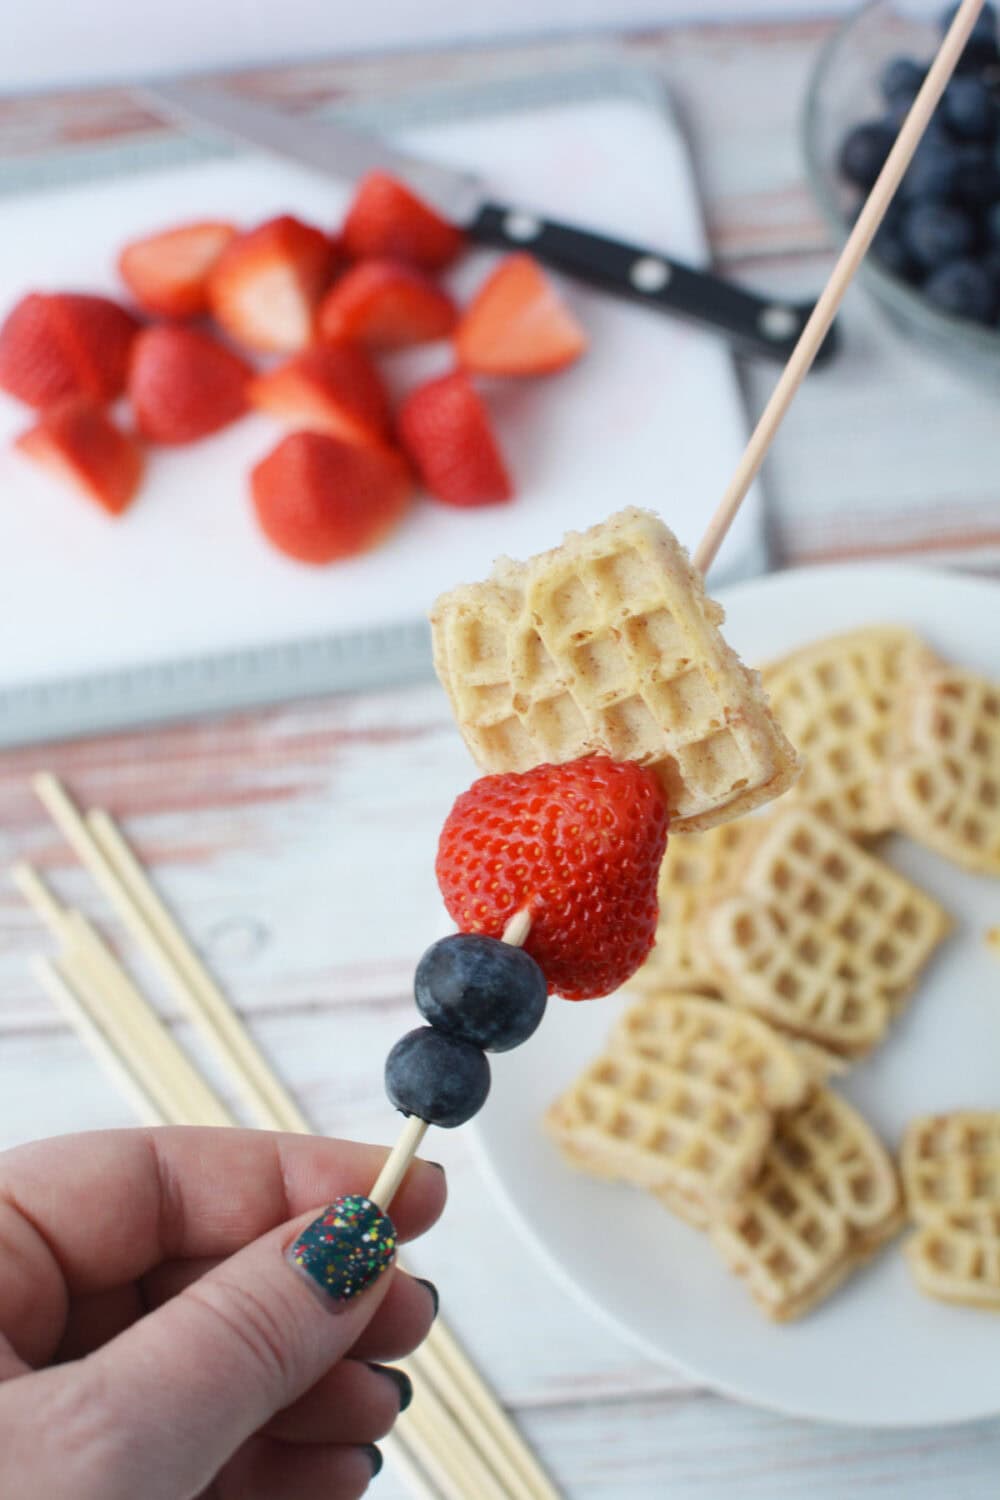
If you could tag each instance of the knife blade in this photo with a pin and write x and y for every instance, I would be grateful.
(755, 325)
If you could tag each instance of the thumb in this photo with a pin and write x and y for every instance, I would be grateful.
(192, 1381)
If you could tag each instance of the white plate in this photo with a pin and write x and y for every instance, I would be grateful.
(878, 1353)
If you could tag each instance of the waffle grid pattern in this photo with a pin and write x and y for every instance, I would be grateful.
(950, 1166)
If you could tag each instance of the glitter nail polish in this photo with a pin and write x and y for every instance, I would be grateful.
(346, 1249)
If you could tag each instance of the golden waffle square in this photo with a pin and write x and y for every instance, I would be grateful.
(955, 1257)
(826, 1199)
(822, 939)
(609, 644)
(682, 1101)
(836, 700)
(944, 782)
(950, 1166)
(951, 1162)
(698, 868)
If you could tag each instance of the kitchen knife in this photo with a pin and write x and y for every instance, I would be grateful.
(753, 324)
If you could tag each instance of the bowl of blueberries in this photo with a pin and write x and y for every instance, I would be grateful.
(934, 265)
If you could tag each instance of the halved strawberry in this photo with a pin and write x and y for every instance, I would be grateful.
(167, 273)
(446, 432)
(266, 286)
(334, 389)
(318, 499)
(387, 221)
(59, 344)
(386, 305)
(184, 385)
(79, 444)
(517, 324)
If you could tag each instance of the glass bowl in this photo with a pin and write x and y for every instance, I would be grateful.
(843, 91)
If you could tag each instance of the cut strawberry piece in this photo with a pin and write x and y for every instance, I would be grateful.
(80, 445)
(184, 385)
(517, 324)
(387, 221)
(60, 344)
(267, 284)
(318, 499)
(446, 432)
(334, 389)
(578, 846)
(386, 305)
(167, 273)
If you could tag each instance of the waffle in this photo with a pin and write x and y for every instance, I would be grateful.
(951, 1163)
(682, 1102)
(836, 701)
(822, 938)
(951, 1175)
(955, 1257)
(609, 644)
(826, 1199)
(698, 869)
(708, 1040)
(945, 778)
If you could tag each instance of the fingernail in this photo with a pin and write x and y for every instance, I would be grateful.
(433, 1291)
(400, 1379)
(437, 1166)
(374, 1455)
(346, 1249)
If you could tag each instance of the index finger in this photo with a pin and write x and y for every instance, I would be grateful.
(80, 1214)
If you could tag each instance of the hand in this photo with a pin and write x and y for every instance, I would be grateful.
(155, 1338)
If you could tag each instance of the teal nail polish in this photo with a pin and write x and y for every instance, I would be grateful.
(346, 1249)
(374, 1456)
(433, 1291)
(400, 1380)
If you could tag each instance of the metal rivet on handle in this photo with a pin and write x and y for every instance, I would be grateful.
(648, 274)
(778, 322)
(522, 227)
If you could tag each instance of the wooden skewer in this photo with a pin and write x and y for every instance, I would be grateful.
(431, 1424)
(408, 1142)
(822, 316)
(59, 984)
(103, 851)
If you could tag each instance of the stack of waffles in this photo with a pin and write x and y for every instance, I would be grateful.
(787, 946)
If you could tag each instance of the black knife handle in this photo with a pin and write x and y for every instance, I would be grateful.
(755, 325)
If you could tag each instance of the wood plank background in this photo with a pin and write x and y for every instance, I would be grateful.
(277, 834)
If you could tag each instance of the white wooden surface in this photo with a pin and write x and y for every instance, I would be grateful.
(298, 844)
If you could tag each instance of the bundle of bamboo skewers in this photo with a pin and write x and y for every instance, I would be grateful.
(454, 1442)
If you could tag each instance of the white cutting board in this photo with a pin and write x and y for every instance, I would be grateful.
(651, 416)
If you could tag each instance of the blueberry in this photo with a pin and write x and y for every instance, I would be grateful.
(901, 79)
(977, 176)
(438, 1078)
(890, 252)
(981, 48)
(484, 991)
(963, 288)
(968, 109)
(934, 233)
(863, 154)
(932, 173)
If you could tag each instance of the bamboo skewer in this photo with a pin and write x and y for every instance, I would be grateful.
(822, 316)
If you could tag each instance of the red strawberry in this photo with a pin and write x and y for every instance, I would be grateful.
(266, 286)
(386, 305)
(386, 220)
(336, 389)
(167, 273)
(80, 445)
(60, 344)
(318, 499)
(517, 324)
(580, 847)
(446, 433)
(184, 385)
